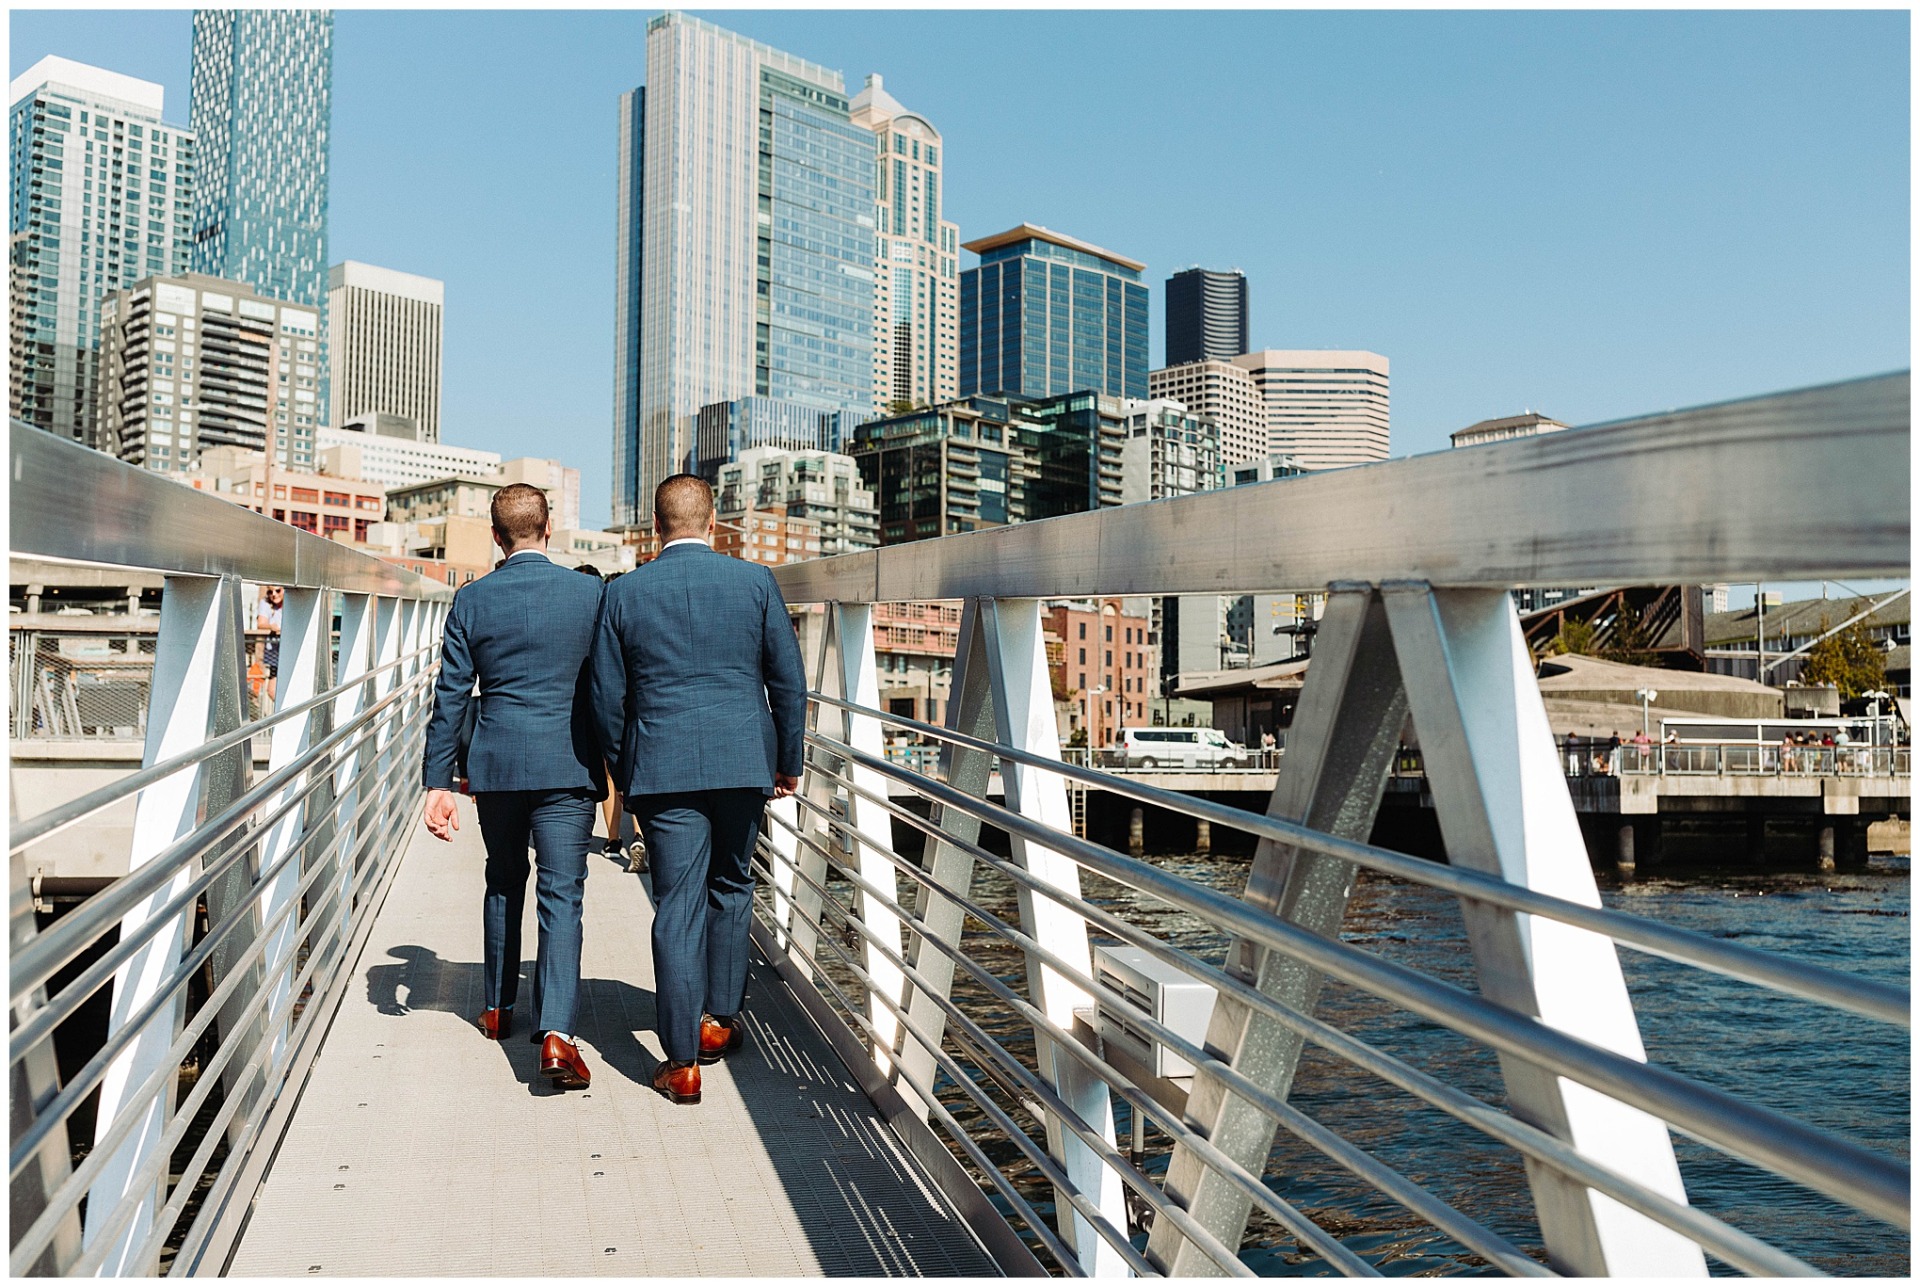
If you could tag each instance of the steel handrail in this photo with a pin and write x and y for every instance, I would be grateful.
(1048, 1101)
(60, 817)
(70, 997)
(50, 951)
(1867, 997)
(82, 1177)
(1476, 1238)
(83, 1082)
(1738, 1248)
(387, 837)
(1837, 1168)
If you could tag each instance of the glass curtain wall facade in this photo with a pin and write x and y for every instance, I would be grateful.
(1045, 314)
(747, 199)
(262, 116)
(916, 285)
(101, 193)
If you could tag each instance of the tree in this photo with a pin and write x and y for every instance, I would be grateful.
(1630, 643)
(1574, 637)
(901, 406)
(1848, 660)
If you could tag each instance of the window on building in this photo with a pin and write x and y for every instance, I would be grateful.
(306, 495)
(1083, 652)
(331, 523)
(1109, 630)
(1083, 630)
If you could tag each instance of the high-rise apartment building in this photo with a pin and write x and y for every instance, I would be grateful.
(102, 194)
(192, 362)
(1168, 452)
(1223, 393)
(1206, 315)
(1327, 408)
(823, 486)
(383, 344)
(262, 120)
(744, 245)
(724, 430)
(1076, 444)
(1045, 314)
(916, 259)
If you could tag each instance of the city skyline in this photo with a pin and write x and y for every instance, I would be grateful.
(1644, 230)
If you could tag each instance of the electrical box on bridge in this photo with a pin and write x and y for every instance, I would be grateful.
(1151, 987)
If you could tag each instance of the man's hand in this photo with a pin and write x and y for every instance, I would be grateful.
(784, 786)
(442, 814)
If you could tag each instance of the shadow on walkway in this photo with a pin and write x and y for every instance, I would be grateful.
(612, 1015)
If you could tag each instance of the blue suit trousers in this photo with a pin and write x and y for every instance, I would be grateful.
(700, 849)
(559, 825)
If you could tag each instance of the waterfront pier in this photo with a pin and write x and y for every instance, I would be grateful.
(244, 1038)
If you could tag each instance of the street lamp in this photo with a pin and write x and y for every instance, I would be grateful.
(1646, 696)
(1876, 697)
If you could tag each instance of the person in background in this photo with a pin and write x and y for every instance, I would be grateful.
(267, 617)
(610, 807)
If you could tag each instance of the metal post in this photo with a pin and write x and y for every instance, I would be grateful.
(197, 656)
(1339, 752)
(1504, 809)
(804, 923)
(860, 681)
(1023, 711)
(357, 627)
(31, 1085)
(937, 917)
(306, 670)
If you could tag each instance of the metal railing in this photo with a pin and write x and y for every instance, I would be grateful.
(198, 986)
(1751, 759)
(989, 1035)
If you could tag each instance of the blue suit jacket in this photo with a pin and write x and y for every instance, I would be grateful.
(697, 678)
(526, 630)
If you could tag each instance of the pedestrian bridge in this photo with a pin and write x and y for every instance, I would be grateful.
(979, 1044)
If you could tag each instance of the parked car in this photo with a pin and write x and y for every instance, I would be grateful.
(1189, 748)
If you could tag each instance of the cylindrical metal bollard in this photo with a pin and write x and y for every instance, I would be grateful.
(1137, 831)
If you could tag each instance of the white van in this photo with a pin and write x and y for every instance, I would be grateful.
(1186, 748)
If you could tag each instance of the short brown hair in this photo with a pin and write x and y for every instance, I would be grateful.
(682, 505)
(519, 513)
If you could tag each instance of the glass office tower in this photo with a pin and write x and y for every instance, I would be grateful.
(101, 188)
(262, 114)
(744, 253)
(1045, 314)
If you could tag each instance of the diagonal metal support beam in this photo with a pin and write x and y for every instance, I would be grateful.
(1501, 795)
(1340, 749)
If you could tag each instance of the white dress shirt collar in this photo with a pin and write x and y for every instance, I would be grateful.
(517, 553)
(683, 540)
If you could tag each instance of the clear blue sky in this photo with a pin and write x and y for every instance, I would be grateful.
(1588, 214)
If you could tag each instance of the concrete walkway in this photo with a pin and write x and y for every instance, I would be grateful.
(420, 1148)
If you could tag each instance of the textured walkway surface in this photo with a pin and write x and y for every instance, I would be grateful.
(420, 1148)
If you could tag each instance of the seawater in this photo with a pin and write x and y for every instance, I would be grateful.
(1840, 1073)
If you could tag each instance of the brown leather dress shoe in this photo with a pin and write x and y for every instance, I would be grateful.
(495, 1024)
(720, 1037)
(678, 1082)
(560, 1063)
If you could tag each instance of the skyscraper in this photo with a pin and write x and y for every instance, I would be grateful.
(1045, 313)
(916, 283)
(745, 238)
(383, 339)
(1327, 408)
(101, 193)
(262, 113)
(189, 363)
(1206, 315)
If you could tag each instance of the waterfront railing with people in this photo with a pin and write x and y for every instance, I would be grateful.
(874, 906)
(221, 955)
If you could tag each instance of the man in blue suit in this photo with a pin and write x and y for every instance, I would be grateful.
(702, 699)
(525, 630)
